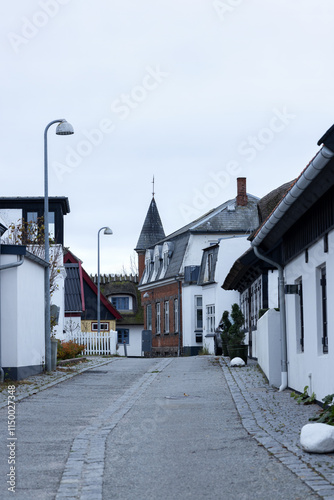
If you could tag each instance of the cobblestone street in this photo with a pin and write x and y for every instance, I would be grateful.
(93, 436)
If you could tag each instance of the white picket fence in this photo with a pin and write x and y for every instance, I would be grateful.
(103, 343)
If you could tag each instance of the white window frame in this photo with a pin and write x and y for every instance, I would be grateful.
(166, 316)
(149, 317)
(157, 317)
(176, 315)
(104, 326)
(198, 308)
(210, 318)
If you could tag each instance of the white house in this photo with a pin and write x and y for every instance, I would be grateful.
(22, 312)
(122, 292)
(297, 238)
(14, 211)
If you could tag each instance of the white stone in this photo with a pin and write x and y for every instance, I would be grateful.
(317, 438)
(237, 362)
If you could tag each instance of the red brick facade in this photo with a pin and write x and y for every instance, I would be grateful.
(165, 342)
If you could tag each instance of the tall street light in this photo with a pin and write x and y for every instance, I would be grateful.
(107, 231)
(64, 128)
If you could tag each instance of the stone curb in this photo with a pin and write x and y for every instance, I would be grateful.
(251, 418)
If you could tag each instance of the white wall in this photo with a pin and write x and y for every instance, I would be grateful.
(188, 314)
(268, 346)
(22, 314)
(134, 346)
(229, 249)
(311, 367)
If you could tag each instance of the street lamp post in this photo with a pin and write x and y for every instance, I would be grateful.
(64, 128)
(107, 231)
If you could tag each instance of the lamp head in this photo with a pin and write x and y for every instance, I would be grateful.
(107, 231)
(64, 128)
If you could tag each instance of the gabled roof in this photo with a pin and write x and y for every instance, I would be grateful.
(152, 230)
(70, 258)
(227, 218)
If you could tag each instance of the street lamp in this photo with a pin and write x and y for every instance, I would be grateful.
(107, 231)
(64, 128)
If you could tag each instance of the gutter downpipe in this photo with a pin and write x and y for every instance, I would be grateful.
(284, 352)
(307, 176)
(6, 266)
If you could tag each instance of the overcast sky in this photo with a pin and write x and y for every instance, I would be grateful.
(194, 92)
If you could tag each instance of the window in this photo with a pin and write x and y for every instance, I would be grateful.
(176, 315)
(209, 268)
(52, 232)
(166, 314)
(121, 303)
(104, 327)
(149, 317)
(256, 300)
(32, 219)
(123, 336)
(299, 316)
(198, 313)
(210, 319)
(148, 265)
(156, 262)
(323, 309)
(157, 318)
(165, 261)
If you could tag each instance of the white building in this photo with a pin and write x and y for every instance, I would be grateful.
(22, 312)
(297, 238)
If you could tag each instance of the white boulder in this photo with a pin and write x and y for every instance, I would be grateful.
(237, 362)
(317, 438)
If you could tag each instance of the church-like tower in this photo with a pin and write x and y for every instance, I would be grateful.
(151, 233)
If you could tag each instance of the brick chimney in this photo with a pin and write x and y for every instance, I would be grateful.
(242, 199)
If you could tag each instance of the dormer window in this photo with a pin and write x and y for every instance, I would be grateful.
(167, 252)
(148, 265)
(122, 302)
(156, 262)
(208, 265)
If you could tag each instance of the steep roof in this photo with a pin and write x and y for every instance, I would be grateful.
(74, 297)
(131, 317)
(152, 230)
(267, 204)
(70, 258)
(227, 218)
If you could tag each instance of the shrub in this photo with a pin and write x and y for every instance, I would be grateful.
(69, 350)
(232, 333)
(304, 397)
(326, 415)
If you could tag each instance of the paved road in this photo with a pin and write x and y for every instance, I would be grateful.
(141, 429)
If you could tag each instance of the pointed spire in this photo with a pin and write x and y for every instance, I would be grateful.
(152, 230)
